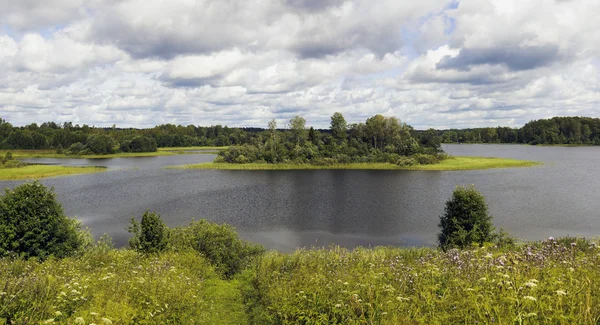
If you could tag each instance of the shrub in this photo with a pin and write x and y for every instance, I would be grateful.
(465, 220)
(33, 224)
(405, 161)
(220, 244)
(425, 159)
(150, 235)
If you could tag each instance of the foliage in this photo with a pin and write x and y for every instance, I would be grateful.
(557, 130)
(380, 139)
(465, 220)
(33, 224)
(150, 235)
(220, 244)
(9, 162)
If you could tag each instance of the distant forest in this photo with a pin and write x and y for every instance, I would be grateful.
(557, 130)
(83, 139)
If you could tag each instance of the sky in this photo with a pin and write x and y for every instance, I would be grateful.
(431, 63)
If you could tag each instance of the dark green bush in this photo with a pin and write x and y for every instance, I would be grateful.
(466, 220)
(150, 235)
(33, 224)
(424, 159)
(220, 244)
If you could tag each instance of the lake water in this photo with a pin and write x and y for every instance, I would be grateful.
(288, 209)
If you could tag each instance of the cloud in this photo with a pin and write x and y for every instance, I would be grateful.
(431, 63)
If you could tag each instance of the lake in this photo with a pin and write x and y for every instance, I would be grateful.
(284, 210)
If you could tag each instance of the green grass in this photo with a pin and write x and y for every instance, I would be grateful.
(42, 171)
(551, 282)
(546, 283)
(453, 163)
(118, 287)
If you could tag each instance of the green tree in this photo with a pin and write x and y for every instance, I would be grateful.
(465, 220)
(101, 144)
(150, 235)
(298, 126)
(338, 126)
(33, 224)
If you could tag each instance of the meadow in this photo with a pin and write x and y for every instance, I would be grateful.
(550, 282)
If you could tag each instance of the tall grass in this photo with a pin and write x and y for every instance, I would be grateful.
(547, 283)
(118, 287)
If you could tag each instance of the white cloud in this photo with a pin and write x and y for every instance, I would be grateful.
(240, 63)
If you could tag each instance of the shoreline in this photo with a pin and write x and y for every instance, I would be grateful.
(450, 164)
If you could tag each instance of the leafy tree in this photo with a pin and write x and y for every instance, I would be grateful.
(338, 126)
(100, 144)
(33, 224)
(150, 235)
(298, 126)
(465, 220)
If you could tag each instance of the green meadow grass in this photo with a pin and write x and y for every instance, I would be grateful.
(546, 283)
(118, 287)
(452, 163)
(42, 171)
(552, 282)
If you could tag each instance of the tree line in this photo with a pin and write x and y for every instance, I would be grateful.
(556, 130)
(75, 139)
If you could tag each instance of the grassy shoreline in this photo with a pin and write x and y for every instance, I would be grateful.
(44, 171)
(451, 164)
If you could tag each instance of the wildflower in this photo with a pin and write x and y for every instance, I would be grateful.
(573, 244)
(530, 284)
(338, 306)
(530, 298)
(79, 321)
(49, 321)
(550, 238)
(561, 293)
(106, 321)
(57, 313)
(488, 255)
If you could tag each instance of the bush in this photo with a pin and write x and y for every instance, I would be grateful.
(220, 244)
(405, 161)
(466, 220)
(150, 236)
(33, 224)
(425, 159)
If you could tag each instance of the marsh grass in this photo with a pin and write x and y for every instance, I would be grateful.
(43, 171)
(452, 163)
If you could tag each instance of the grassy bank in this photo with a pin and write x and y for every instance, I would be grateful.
(541, 283)
(453, 163)
(43, 171)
